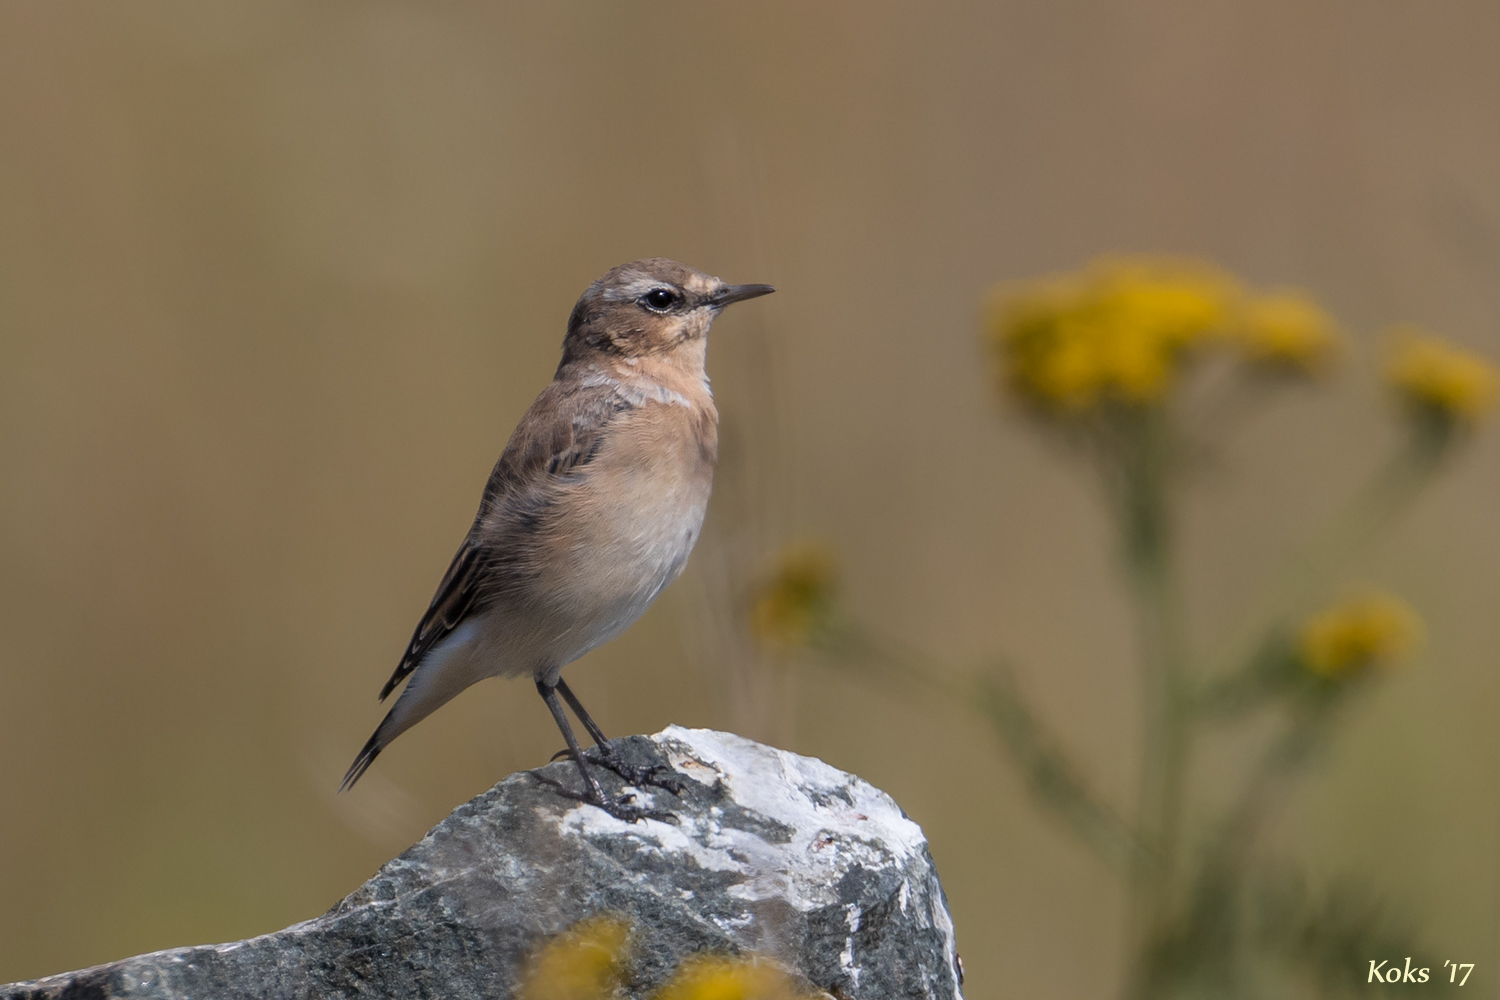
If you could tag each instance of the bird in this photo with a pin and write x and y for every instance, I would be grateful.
(590, 512)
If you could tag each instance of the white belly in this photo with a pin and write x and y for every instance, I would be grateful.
(621, 537)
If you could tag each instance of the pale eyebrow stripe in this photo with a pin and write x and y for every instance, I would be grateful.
(636, 288)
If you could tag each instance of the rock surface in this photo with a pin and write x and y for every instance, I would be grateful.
(771, 854)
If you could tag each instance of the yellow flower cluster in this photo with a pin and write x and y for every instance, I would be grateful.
(796, 598)
(1122, 330)
(716, 977)
(1437, 379)
(1116, 332)
(1287, 330)
(1356, 634)
(587, 962)
(582, 963)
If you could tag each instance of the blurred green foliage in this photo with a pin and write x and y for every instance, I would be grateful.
(1131, 364)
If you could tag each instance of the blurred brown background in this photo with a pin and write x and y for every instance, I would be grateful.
(276, 280)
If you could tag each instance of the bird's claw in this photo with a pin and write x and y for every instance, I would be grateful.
(619, 808)
(634, 814)
(648, 776)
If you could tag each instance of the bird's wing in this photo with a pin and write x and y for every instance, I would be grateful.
(561, 432)
(454, 600)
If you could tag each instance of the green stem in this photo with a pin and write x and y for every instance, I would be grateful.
(1050, 773)
(1387, 493)
(1267, 786)
(1227, 862)
(1143, 480)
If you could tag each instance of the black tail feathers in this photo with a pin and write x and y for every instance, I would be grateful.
(362, 762)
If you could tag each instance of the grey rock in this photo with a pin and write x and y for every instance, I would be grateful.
(771, 854)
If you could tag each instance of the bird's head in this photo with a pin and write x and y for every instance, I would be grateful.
(652, 306)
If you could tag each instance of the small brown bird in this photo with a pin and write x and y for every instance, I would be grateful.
(590, 512)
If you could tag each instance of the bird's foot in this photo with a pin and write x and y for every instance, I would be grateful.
(640, 775)
(620, 808)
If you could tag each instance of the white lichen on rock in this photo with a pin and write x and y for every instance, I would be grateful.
(832, 822)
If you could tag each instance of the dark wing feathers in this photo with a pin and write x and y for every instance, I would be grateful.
(562, 432)
(454, 599)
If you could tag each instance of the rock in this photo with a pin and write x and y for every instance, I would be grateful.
(772, 854)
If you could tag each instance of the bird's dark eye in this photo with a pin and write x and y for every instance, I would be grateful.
(660, 299)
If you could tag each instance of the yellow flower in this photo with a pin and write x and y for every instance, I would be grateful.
(721, 978)
(1437, 379)
(796, 598)
(1120, 331)
(582, 963)
(1288, 331)
(1350, 637)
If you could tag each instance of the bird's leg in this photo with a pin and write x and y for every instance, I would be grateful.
(654, 775)
(619, 810)
(595, 732)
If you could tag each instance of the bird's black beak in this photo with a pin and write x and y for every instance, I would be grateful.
(738, 293)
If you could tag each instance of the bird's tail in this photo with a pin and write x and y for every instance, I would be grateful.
(362, 762)
(415, 704)
(445, 672)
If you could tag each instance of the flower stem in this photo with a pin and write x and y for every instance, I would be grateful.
(1143, 479)
(1055, 780)
(1387, 493)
